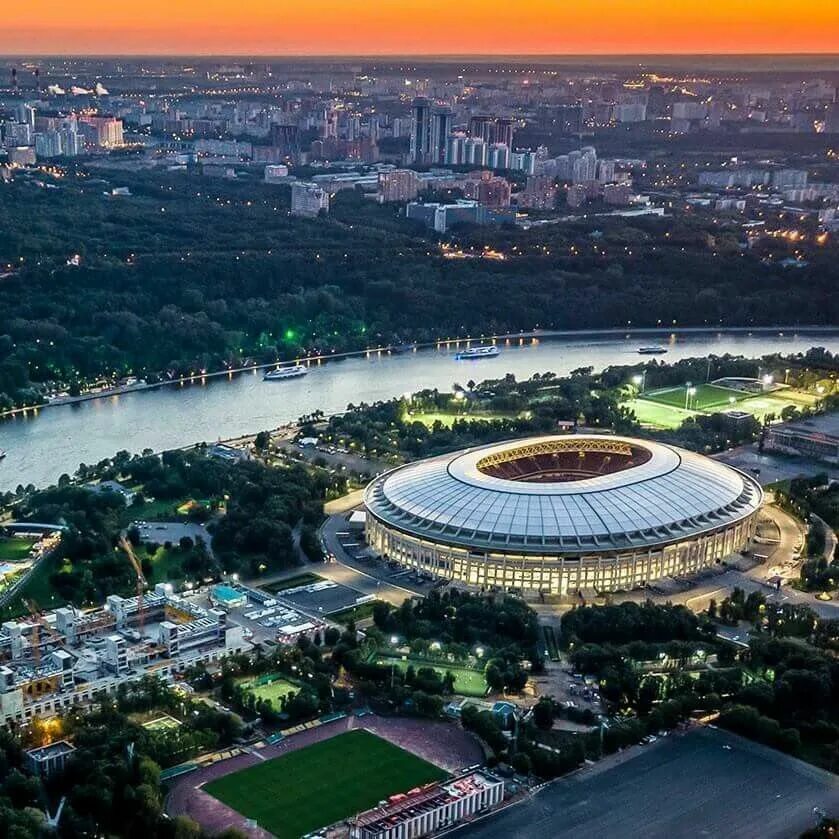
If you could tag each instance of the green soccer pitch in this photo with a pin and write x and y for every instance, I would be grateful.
(297, 793)
(704, 397)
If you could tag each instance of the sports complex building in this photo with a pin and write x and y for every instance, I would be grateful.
(562, 514)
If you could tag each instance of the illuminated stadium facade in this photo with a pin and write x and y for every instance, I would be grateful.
(562, 514)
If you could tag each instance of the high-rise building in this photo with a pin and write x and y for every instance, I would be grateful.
(524, 161)
(398, 185)
(26, 114)
(480, 127)
(48, 144)
(102, 132)
(72, 143)
(308, 200)
(487, 189)
(605, 171)
(584, 165)
(420, 131)
(503, 132)
(474, 152)
(789, 178)
(539, 193)
(498, 156)
(21, 156)
(441, 128)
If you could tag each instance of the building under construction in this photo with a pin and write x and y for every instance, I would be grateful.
(55, 660)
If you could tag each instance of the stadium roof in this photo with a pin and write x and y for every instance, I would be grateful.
(648, 494)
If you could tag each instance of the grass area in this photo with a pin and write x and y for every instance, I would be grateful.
(164, 723)
(299, 792)
(355, 613)
(15, 549)
(467, 682)
(38, 589)
(656, 414)
(292, 582)
(665, 408)
(760, 406)
(705, 398)
(152, 511)
(271, 687)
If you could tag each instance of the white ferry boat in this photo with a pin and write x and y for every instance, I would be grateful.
(477, 352)
(654, 350)
(292, 372)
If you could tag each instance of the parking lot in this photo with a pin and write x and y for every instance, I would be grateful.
(704, 783)
(321, 598)
(159, 532)
(348, 546)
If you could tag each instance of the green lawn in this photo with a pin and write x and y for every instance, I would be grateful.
(299, 792)
(466, 682)
(272, 687)
(705, 398)
(354, 613)
(15, 549)
(656, 414)
(164, 723)
(759, 406)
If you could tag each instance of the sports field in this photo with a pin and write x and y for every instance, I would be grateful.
(272, 687)
(164, 723)
(466, 682)
(656, 414)
(15, 549)
(299, 792)
(665, 407)
(704, 397)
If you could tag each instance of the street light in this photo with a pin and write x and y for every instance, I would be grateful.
(639, 380)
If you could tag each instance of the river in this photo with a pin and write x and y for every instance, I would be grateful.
(42, 446)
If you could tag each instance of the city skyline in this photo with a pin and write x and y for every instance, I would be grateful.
(539, 27)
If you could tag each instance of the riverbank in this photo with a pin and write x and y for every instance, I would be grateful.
(390, 349)
(42, 446)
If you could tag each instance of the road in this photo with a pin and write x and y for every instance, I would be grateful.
(369, 577)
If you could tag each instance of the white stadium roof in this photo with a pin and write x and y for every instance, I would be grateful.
(669, 495)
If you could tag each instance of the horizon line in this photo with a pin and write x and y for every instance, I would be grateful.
(411, 55)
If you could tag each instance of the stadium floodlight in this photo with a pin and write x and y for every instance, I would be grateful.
(394, 639)
(767, 379)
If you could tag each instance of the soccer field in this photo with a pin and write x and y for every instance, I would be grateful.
(656, 414)
(466, 682)
(299, 792)
(15, 549)
(705, 397)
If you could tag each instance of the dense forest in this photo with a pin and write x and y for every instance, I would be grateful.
(189, 274)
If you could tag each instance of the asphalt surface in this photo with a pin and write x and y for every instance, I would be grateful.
(773, 467)
(705, 783)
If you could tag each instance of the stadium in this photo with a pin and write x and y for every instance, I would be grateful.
(562, 514)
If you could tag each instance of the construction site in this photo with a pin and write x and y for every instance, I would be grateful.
(52, 661)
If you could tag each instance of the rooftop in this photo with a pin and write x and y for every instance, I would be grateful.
(573, 492)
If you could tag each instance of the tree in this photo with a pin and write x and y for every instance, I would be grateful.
(543, 713)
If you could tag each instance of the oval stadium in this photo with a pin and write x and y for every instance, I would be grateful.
(562, 514)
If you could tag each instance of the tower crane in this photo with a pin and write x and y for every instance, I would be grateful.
(141, 580)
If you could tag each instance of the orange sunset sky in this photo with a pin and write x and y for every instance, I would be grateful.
(368, 27)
